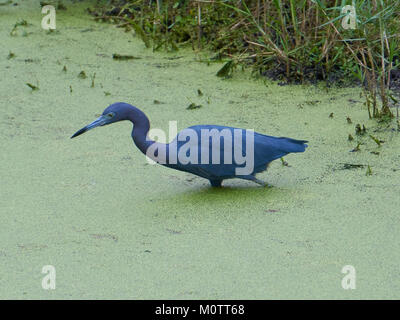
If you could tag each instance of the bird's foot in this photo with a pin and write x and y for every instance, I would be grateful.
(260, 182)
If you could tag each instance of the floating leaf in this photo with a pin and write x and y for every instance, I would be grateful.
(117, 56)
(82, 75)
(193, 106)
(357, 148)
(350, 166)
(11, 55)
(377, 141)
(33, 87)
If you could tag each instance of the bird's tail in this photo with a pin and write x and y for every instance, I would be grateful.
(292, 145)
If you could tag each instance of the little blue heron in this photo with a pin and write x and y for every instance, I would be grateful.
(191, 156)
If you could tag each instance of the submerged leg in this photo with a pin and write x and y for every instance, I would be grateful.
(216, 183)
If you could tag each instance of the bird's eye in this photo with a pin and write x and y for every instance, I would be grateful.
(110, 115)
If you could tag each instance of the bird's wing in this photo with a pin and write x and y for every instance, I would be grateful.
(193, 152)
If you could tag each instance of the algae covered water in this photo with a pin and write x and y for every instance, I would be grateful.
(115, 227)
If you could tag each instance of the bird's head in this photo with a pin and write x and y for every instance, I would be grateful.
(113, 113)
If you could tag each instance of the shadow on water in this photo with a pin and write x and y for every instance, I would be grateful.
(229, 198)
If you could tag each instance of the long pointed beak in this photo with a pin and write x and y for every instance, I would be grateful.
(100, 121)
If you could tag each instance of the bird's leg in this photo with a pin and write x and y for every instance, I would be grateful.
(254, 179)
(216, 183)
(258, 181)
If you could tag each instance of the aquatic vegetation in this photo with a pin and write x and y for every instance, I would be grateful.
(32, 86)
(227, 69)
(5, 3)
(22, 23)
(117, 56)
(377, 141)
(82, 75)
(295, 41)
(357, 148)
(360, 131)
(73, 201)
(284, 163)
(193, 106)
(11, 55)
(92, 77)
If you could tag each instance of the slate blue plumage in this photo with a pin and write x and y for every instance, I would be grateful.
(266, 148)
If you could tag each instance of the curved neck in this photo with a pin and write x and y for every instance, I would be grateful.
(141, 126)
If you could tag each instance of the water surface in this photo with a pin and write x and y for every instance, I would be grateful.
(116, 227)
